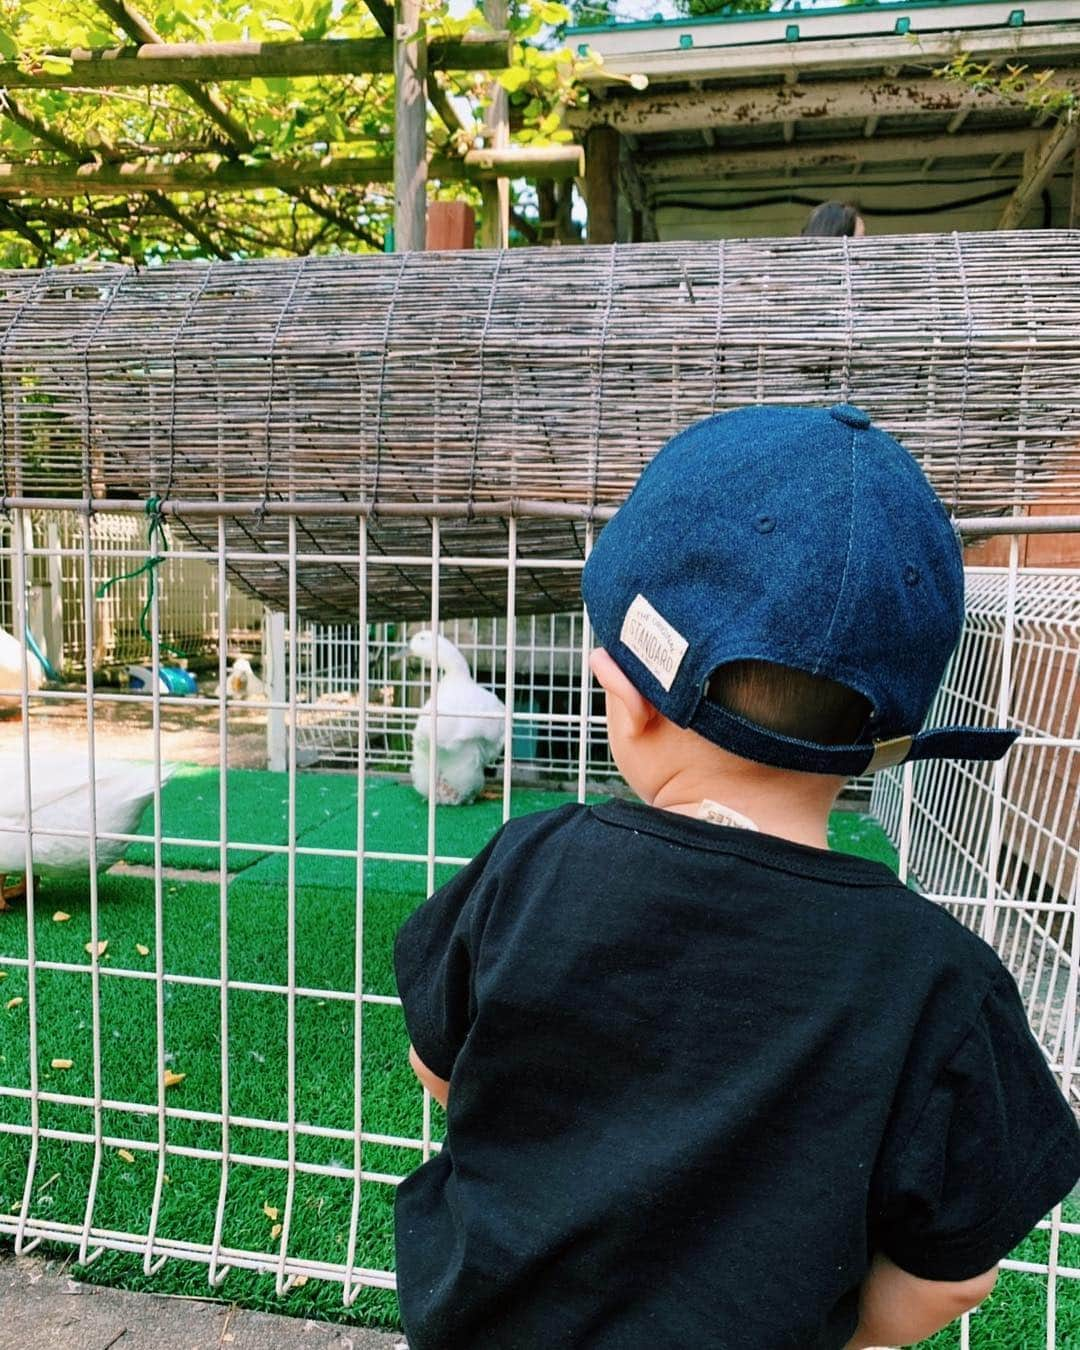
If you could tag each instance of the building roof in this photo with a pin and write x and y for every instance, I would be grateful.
(838, 97)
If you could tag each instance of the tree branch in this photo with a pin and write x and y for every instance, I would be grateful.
(332, 217)
(138, 28)
(11, 110)
(383, 14)
(170, 209)
(15, 222)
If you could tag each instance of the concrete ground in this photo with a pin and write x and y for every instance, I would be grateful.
(43, 1308)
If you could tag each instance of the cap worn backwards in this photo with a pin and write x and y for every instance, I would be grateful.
(803, 537)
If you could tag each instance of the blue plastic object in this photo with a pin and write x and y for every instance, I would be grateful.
(172, 680)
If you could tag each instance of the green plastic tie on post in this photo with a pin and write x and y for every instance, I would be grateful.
(149, 567)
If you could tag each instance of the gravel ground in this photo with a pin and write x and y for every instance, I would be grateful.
(189, 735)
(43, 1308)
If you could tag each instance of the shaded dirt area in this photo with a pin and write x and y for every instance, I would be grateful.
(189, 733)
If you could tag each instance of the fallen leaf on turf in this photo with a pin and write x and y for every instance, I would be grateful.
(271, 1213)
(13, 1003)
(171, 1079)
(300, 1281)
(275, 1232)
(3, 974)
(62, 1063)
(126, 1154)
(141, 949)
(101, 947)
(60, 917)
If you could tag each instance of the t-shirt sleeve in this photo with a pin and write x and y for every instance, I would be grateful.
(996, 1146)
(434, 955)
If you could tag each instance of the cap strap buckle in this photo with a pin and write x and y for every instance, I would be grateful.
(888, 753)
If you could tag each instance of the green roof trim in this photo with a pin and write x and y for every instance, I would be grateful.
(886, 9)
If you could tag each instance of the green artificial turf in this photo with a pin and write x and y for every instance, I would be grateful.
(257, 914)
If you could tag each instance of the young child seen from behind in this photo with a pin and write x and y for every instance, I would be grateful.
(708, 1083)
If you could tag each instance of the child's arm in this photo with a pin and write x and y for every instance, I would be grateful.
(438, 1087)
(896, 1308)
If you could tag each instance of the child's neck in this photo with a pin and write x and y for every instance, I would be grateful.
(793, 806)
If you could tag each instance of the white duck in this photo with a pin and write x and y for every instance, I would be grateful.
(60, 795)
(242, 682)
(11, 658)
(469, 726)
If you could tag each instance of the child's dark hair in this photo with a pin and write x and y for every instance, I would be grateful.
(808, 707)
(832, 218)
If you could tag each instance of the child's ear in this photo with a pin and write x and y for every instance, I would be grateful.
(638, 711)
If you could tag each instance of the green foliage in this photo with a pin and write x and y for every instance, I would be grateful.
(702, 8)
(294, 120)
(1034, 89)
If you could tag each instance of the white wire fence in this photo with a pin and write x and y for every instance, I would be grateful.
(999, 845)
(211, 1069)
(546, 692)
(189, 618)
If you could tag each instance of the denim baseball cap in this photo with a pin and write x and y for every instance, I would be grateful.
(803, 537)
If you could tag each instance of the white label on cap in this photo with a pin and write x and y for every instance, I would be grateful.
(657, 645)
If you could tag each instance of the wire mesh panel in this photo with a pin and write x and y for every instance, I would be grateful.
(55, 585)
(999, 845)
(546, 693)
(202, 1057)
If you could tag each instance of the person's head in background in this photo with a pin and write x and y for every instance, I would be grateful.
(835, 218)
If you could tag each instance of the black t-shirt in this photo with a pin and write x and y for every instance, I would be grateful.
(698, 1076)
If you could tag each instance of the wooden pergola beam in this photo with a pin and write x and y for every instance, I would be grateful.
(660, 111)
(177, 62)
(1039, 169)
(827, 154)
(561, 162)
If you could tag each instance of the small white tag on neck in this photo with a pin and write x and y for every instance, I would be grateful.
(716, 814)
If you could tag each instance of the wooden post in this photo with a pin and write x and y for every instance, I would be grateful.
(1074, 201)
(566, 231)
(410, 129)
(602, 183)
(1041, 162)
(495, 196)
(546, 208)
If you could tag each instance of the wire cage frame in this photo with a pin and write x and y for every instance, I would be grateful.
(351, 449)
(304, 1139)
